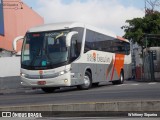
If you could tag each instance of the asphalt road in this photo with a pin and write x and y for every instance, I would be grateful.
(130, 90)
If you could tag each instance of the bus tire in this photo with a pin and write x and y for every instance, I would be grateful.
(87, 82)
(48, 89)
(121, 79)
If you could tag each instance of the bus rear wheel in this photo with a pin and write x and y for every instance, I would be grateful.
(87, 82)
(121, 79)
(48, 89)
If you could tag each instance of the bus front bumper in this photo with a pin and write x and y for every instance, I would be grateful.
(59, 81)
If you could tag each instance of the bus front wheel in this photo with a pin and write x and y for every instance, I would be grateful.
(87, 81)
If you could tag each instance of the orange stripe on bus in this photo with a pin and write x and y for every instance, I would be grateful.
(119, 64)
(122, 39)
(109, 68)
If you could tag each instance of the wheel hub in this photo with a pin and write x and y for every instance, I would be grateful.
(86, 81)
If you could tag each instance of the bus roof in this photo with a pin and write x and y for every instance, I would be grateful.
(122, 39)
(68, 25)
(56, 26)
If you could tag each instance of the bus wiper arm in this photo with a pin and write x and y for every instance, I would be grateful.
(37, 55)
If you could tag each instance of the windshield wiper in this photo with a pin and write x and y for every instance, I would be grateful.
(37, 55)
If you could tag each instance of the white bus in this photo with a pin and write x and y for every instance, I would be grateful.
(73, 54)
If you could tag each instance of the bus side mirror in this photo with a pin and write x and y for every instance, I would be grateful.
(69, 37)
(15, 44)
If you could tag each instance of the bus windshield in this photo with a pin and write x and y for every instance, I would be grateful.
(44, 49)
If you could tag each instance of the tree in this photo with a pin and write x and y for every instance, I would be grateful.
(140, 28)
(150, 5)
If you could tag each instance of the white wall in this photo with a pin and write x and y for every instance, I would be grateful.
(9, 66)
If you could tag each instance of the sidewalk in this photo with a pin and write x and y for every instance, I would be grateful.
(145, 80)
(12, 91)
(11, 85)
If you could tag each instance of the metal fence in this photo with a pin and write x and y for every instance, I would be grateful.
(151, 66)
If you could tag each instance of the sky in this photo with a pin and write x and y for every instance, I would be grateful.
(109, 15)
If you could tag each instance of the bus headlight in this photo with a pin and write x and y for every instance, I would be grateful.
(63, 72)
(65, 80)
(22, 75)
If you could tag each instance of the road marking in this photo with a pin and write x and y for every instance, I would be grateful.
(119, 85)
(127, 84)
(152, 83)
(122, 85)
(133, 84)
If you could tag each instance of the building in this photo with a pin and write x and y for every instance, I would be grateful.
(15, 19)
(137, 62)
(151, 63)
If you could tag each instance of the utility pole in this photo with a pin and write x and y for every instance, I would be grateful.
(146, 40)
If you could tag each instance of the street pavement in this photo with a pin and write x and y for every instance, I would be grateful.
(106, 92)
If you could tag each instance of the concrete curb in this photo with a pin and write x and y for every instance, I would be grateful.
(141, 106)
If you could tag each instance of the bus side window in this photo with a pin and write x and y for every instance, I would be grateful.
(90, 42)
(74, 48)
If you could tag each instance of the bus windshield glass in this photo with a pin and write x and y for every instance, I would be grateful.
(44, 49)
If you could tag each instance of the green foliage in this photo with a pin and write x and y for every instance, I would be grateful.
(139, 29)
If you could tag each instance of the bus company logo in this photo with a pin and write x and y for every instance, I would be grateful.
(92, 57)
(40, 72)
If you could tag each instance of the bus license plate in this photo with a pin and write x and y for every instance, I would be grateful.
(41, 82)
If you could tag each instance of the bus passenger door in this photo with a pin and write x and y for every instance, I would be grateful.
(74, 54)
